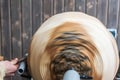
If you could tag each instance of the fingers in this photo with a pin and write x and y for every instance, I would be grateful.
(10, 74)
(14, 61)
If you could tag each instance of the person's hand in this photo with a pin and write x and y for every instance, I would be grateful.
(10, 66)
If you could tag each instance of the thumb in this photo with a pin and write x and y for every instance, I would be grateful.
(14, 61)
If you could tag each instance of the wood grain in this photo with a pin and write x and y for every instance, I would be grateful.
(113, 14)
(69, 5)
(91, 7)
(36, 14)
(58, 6)
(16, 37)
(47, 12)
(26, 25)
(0, 25)
(80, 5)
(20, 19)
(102, 11)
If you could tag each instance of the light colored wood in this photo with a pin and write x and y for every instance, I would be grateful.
(104, 61)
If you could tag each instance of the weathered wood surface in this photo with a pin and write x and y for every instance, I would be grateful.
(47, 11)
(6, 29)
(58, 6)
(19, 20)
(102, 11)
(16, 28)
(118, 38)
(80, 5)
(69, 5)
(26, 25)
(0, 27)
(91, 7)
(36, 11)
(113, 13)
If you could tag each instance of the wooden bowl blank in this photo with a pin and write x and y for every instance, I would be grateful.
(73, 40)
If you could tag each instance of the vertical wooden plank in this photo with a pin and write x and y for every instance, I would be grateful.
(102, 11)
(36, 14)
(80, 5)
(113, 14)
(118, 40)
(91, 7)
(6, 29)
(26, 25)
(0, 27)
(16, 31)
(52, 7)
(58, 6)
(69, 5)
(16, 27)
(46, 9)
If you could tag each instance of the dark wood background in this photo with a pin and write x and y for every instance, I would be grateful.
(19, 19)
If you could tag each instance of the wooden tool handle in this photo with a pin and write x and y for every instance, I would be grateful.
(1, 58)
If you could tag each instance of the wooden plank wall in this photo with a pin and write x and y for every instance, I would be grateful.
(19, 20)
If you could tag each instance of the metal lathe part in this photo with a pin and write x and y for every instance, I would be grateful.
(71, 75)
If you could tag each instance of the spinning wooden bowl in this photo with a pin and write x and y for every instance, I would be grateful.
(73, 40)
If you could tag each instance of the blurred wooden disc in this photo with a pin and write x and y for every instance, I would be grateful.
(102, 53)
